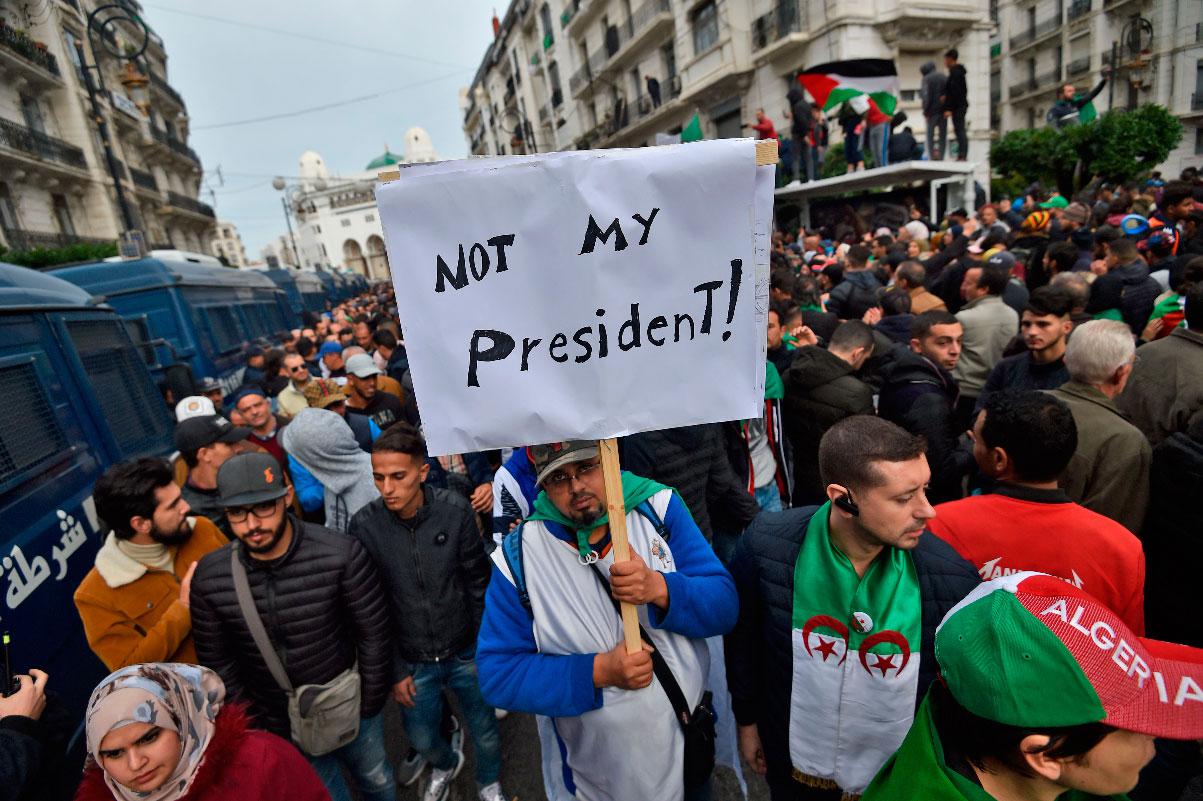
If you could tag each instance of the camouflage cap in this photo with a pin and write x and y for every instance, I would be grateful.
(322, 393)
(552, 456)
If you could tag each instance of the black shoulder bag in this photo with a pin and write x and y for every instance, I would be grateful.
(697, 726)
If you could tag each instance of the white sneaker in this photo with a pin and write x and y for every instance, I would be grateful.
(441, 780)
(794, 184)
(492, 792)
(500, 713)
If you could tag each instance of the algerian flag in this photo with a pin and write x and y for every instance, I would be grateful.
(856, 643)
(1087, 113)
(839, 81)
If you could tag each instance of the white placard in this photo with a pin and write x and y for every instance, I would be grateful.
(516, 281)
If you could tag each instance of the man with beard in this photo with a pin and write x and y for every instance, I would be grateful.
(365, 398)
(134, 601)
(838, 607)
(319, 598)
(551, 641)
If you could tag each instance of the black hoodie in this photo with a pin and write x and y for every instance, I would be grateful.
(820, 391)
(921, 396)
(956, 92)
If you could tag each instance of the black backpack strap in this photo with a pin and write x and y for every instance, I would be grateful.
(659, 667)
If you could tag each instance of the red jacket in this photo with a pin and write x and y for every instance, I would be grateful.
(240, 764)
(1018, 528)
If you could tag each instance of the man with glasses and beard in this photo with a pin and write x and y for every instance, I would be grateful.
(551, 641)
(292, 398)
(134, 601)
(319, 597)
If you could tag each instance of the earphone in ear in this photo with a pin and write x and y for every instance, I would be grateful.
(846, 503)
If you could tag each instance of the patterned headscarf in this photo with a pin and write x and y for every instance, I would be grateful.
(182, 698)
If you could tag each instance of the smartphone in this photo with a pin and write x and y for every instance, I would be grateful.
(10, 681)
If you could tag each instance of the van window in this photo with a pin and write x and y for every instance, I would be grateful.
(31, 435)
(224, 326)
(131, 405)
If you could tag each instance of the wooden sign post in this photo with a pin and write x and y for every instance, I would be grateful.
(766, 153)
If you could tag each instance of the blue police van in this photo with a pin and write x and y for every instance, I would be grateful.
(188, 311)
(313, 292)
(79, 397)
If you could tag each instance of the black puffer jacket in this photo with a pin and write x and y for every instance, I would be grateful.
(921, 397)
(820, 391)
(1172, 537)
(434, 570)
(759, 651)
(693, 460)
(323, 607)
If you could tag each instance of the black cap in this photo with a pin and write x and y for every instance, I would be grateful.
(200, 432)
(250, 478)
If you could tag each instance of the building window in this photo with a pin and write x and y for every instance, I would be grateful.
(8, 212)
(345, 222)
(1198, 143)
(545, 20)
(369, 218)
(705, 27)
(317, 229)
(62, 215)
(33, 114)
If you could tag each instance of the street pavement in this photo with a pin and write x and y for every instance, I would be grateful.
(521, 777)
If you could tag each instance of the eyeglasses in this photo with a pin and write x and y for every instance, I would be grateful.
(297, 369)
(562, 479)
(236, 514)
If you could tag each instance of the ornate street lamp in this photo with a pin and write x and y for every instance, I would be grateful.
(103, 20)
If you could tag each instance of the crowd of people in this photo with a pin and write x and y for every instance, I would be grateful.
(925, 571)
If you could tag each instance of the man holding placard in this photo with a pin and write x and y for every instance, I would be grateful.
(551, 641)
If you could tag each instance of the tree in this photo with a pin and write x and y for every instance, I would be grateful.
(40, 258)
(1118, 146)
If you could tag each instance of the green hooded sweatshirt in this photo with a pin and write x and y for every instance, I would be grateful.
(917, 771)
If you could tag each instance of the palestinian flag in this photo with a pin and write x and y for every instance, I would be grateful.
(839, 81)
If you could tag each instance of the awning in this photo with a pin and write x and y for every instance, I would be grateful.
(881, 178)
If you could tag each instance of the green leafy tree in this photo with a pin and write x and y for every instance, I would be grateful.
(41, 258)
(1118, 146)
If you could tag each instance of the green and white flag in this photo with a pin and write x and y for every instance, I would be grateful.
(855, 661)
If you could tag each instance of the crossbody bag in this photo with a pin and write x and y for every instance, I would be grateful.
(322, 717)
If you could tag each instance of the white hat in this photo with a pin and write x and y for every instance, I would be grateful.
(917, 230)
(193, 406)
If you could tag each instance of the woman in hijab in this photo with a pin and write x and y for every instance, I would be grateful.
(162, 732)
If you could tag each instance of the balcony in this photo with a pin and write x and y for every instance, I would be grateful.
(26, 141)
(159, 83)
(144, 180)
(1078, 9)
(1078, 66)
(779, 32)
(178, 201)
(173, 145)
(352, 199)
(621, 41)
(1044, 81)
(27, 58)
(1037, 33)
(19, 239)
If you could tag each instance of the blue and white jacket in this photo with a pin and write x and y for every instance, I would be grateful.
(617, 744)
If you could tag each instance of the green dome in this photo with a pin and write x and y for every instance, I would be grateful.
(385, 159)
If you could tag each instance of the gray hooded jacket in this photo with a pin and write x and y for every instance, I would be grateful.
(931, 90)
(324, 445)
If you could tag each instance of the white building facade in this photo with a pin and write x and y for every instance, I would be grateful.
(56, 188)
(565, 74)
(227, 244)
(336, 223)
(1043, 44)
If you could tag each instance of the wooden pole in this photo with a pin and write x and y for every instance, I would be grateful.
(617, 511)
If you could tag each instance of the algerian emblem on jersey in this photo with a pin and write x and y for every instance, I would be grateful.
(862, 622)
(661, 554)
